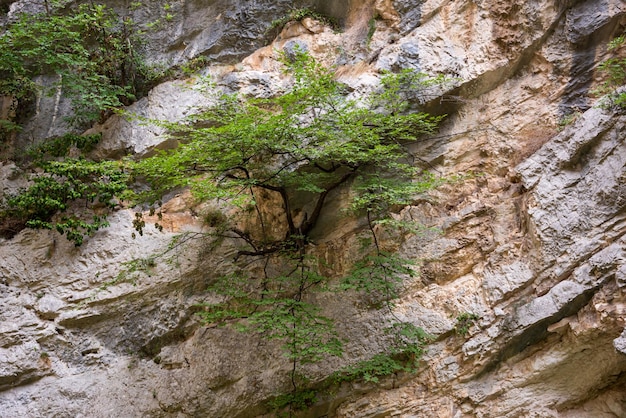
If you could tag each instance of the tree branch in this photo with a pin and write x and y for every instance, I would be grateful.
(264, 251)
(309, 223)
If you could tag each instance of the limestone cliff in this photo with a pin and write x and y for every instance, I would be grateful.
(532, 242)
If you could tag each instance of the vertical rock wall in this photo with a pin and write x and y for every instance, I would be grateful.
(532, 235)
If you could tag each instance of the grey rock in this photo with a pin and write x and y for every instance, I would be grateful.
(501, 280)
(51, 112)
(251, 83)
(620, 343)
(48, 306)
(136, 133)
(411, 13)
(572, 175)
(21, 364)
(222, 31)
(588, 17)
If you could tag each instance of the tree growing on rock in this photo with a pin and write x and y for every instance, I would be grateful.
(293, 151)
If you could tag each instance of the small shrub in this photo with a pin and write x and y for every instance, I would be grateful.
(298, 400)
(194, 65)
(370, 370)
(464, 322)
(403, 355)
(215, 219)
(60, 146)
(61, 184)
(568, 119)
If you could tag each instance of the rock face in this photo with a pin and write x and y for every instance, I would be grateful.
(532, 237)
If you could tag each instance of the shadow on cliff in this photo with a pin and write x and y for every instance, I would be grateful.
(587, 33)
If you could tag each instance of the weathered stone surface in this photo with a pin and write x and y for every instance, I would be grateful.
(169, 101)
(531, 240)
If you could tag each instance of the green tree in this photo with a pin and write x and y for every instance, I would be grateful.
(310, 140)
(89, 48)
(296, 149)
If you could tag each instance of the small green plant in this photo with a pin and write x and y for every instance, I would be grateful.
(131, 270)
(293, 401)
(155, 24)
(7, 129)
(193, 65)
(568, 119)
(464, 322)
(381, 365)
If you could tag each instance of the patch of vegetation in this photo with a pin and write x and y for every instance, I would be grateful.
(194, 65)
(296, 15)
(568, 120)
(371, 29)
(88, 48)
(46, 204)
(615, 70)
(91, 52)
(294, 401)
(464, 321)
(403, 355)
(60, 146)
(131, 271)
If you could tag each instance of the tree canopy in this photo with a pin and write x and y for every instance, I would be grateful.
(311, 139)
